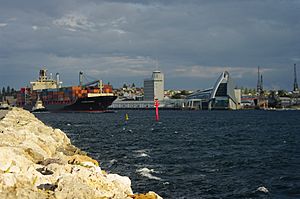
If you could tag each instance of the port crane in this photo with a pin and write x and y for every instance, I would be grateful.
(98, 83)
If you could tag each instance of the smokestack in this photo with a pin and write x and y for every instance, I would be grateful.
(57, 80)
(80, 78)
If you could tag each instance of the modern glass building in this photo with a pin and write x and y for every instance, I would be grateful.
(222, 96)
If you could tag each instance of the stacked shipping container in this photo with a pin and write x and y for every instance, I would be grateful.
(65, 95)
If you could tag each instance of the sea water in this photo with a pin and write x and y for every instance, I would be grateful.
(193, 154)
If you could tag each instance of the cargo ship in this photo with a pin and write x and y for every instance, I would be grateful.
(92, 96)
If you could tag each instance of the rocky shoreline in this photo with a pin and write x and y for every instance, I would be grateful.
(37, 161)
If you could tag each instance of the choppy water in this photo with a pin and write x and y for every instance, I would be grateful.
(194, 154)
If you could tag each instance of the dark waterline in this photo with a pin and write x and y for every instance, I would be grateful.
(193, 154)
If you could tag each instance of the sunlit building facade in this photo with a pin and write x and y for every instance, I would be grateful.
(154, 87)
(223, 96)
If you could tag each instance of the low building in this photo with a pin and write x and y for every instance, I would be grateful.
(248, 101)
(119, 104)
(164, 104)
(199, 100)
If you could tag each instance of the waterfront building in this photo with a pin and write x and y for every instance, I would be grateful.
(123, 104)
(199, 99)
(248, 101)
(222, 96)
(164, 104)
(154, 87)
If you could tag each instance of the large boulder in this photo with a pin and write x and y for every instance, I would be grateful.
(38, 161)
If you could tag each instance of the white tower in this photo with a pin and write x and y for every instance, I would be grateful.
(154, 87)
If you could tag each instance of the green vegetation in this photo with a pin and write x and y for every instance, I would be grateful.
(182, 94)
(7, 92)
(248, 91)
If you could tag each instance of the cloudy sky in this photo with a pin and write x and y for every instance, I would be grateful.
(190, 41)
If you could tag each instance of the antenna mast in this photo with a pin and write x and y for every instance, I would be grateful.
(261, 83)
(258, 81)
(295, 79)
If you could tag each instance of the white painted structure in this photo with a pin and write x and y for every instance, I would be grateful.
(154, 87)
(44, 82)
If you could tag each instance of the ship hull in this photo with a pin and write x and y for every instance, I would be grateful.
(91, 104)
(81, 104)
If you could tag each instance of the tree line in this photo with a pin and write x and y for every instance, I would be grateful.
(7, 91)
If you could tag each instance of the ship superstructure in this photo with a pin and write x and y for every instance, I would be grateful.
(44, 82)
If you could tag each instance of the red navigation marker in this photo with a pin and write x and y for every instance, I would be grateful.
(156, 104)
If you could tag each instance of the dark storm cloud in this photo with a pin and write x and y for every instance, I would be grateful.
(122, 41)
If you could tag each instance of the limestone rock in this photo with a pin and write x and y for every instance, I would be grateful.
(149, 195)
(80, 159)
(39, 162)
